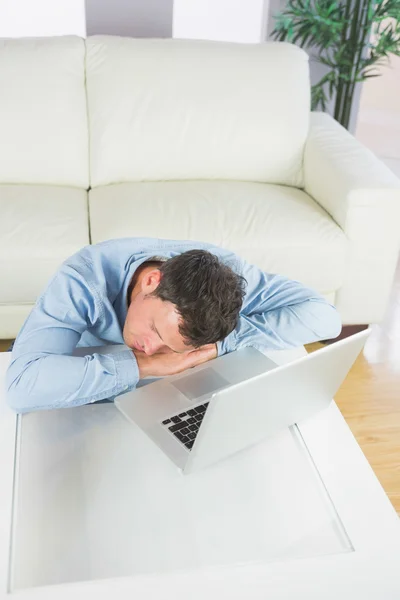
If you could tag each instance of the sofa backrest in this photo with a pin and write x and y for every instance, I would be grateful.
(183, 109)
(43, 112)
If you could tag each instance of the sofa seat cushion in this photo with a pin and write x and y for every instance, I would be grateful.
(40, 227)
(280, 229)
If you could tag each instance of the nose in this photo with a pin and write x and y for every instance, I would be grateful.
(153, 346)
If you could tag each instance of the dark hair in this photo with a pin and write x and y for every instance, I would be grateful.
(207, 294)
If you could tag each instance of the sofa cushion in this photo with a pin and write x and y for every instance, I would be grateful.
(12, 317)
(43, 121)
(280, 229)
(186, 109)
(40, 226)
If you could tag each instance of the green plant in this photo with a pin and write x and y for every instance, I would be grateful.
(351, 38)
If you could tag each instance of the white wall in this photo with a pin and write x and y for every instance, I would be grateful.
(136, 18)
(36, 18)
(378, 124)
(223, 20)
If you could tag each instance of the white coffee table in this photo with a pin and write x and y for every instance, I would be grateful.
(354, 553)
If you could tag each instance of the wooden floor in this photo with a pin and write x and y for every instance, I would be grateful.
(369, 399)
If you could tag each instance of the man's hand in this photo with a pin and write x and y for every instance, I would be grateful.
(170, 363)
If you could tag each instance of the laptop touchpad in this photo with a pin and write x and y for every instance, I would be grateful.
(198, 384)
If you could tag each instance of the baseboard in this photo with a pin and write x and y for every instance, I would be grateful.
(347, 330)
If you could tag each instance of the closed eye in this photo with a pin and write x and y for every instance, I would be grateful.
(154, 328)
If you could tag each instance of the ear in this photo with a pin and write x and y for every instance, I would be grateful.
(150, 281)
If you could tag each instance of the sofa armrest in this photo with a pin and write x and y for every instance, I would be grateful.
(363, 196)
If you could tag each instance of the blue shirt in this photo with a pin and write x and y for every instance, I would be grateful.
(85, 304)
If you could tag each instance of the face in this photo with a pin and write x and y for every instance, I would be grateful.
(152, 325)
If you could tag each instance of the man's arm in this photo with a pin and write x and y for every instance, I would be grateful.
(43, 374)
(280, 313)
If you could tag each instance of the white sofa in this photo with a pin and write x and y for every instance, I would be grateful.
(185, 139)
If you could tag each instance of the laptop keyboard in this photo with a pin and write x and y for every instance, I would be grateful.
(185, 425)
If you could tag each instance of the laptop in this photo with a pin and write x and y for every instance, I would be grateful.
(237, 400)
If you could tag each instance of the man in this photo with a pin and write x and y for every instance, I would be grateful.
(174, 304)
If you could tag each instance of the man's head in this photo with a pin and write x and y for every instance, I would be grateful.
(184, 303)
